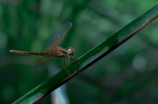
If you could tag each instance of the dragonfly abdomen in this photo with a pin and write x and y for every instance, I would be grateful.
(27, 53)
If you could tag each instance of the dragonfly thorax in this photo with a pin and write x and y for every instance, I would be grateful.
(71, 51)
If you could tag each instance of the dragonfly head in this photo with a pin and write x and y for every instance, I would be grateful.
(71, 51)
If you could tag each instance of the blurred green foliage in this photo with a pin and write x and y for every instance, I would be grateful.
(127, 75)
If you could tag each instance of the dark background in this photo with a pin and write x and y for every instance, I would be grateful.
(128, 75)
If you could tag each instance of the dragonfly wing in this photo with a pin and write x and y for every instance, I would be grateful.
(41, 65)
(57, 39)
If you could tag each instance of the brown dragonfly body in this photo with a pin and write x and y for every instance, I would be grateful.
(57, 52)
(52, 49)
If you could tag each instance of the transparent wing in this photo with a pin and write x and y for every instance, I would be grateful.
(57, 39)
(41, 65)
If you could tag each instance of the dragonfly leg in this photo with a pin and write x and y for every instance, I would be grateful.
(70, 59)
(64, 64)
(73, 59)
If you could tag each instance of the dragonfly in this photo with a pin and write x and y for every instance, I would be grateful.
(52, 49)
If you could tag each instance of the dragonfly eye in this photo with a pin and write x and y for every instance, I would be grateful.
(71, 51)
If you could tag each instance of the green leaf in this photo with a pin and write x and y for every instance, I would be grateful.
(90, 57)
